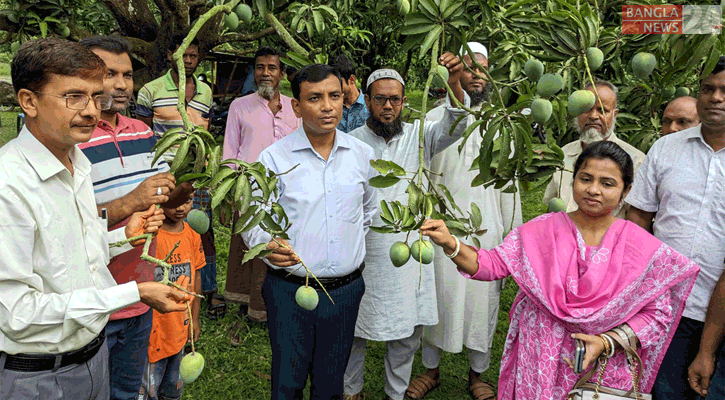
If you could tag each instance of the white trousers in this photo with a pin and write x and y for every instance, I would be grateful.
(398, 365)
(431, 357)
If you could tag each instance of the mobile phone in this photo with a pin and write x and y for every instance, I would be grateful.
(579, 353)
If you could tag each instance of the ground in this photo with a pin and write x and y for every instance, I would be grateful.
(243, 372)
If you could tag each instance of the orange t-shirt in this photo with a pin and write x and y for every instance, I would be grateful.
(170, 331)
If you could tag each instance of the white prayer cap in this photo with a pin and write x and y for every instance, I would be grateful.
(476, 48)
(384, 73)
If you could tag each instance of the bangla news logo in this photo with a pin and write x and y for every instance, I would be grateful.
(671, 19)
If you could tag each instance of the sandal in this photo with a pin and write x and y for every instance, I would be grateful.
(482, 391)
(237, 332)
(421, 386)
(218, 310)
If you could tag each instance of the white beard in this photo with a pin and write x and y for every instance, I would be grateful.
(265, 91)
(592, 135)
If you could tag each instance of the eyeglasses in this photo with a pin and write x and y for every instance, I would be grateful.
(78, 101)
(394, 101)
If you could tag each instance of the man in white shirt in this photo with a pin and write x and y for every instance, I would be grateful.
(56, 293)
(330, 204)
(593, 125)
(682, 181)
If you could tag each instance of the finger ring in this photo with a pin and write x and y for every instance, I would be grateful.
(159, 192)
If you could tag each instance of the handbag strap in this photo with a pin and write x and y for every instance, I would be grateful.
(631, 356)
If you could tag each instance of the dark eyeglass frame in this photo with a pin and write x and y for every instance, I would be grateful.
(395, 101)
(102, 102)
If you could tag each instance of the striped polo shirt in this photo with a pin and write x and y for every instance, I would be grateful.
(121, 159)
(158, 99)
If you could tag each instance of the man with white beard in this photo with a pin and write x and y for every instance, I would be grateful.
(255, 122)
(594, 125)
(467, 309)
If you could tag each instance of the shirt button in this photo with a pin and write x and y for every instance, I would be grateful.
(330, 215)
(331, 240)
(94, 268)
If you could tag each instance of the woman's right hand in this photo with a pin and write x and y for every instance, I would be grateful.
(437, 231)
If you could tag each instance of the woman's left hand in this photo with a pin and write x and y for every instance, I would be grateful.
(594, 349)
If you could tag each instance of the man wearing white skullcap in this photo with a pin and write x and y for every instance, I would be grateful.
(393, 309)
(467, 309)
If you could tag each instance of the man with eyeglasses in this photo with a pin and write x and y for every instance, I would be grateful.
(393, 308)
(57, 292)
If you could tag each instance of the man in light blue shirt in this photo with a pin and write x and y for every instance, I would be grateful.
(354, 110)
(331, 205)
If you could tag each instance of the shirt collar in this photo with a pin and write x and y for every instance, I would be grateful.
(171, 85)
(694, 132)
(121, 122)
(302, 142)
(361, 98)
(44, 162)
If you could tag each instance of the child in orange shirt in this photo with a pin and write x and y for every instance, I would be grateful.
(170, 332)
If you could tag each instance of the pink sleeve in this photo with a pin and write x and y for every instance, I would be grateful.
(650, 323)
(232, 133)
(490, 266)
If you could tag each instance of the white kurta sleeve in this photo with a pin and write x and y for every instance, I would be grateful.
(438, 133)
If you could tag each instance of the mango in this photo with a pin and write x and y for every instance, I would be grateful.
(198, 221)
(191, 366)
(549, 85)
(595, 58)
(307, 298)
(422, 251)
(682, 91)
(244, 12)
(580, 102)
(534, 69)
(399, 254)
(404, 7)
(64, 30)
(541, 110)
(556, 205)
(668, 92)
(643, 64)
(231, 21)
(14, 47)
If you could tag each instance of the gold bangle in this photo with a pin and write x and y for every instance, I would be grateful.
(607, 348)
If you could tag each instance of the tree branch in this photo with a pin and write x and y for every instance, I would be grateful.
(134, 17)
(246, 37)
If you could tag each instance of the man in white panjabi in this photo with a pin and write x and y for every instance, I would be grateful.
(596, 124)
(394, 308)
(467, 310)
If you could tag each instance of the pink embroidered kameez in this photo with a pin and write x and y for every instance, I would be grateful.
(567, 287)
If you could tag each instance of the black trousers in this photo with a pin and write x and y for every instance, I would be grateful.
(315, 343)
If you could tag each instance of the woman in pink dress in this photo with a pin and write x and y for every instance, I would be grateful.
(581, 275)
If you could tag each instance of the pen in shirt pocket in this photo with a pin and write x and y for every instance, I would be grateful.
(104, 217)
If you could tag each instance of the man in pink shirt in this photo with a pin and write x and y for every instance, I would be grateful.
(255, 121)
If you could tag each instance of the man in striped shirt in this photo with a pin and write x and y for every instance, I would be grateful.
(125, 181)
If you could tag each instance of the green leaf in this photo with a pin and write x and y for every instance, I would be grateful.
(261, 6)
(254, 252)
(414, 197)
(476, 242)
(43, 28)
(476, 218)
(383, 181)
(221, 192)
(224, 173)
(430, 38)
(319, 23)
(382, 229)
(190, 177)
(255, 221)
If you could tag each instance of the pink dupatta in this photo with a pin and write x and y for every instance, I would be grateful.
(567, 287)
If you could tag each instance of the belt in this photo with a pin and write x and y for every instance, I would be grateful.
(329, 283)
(37, 362)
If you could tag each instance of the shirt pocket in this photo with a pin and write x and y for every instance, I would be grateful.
(350, 202)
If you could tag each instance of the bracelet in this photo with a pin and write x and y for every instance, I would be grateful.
(631, 335)
(455, 252)
(606, 346)
(611, 344)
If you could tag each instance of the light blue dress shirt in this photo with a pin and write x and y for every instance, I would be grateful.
(329, 202)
